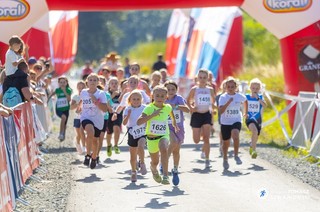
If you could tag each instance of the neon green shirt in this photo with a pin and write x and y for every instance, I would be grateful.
(158, 125)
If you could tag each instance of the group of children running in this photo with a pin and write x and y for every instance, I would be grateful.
(154, 117)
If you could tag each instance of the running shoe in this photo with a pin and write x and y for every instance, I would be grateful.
(254, 154)
(156, 175)
(109, 151)
(238, 160)
(61, 137)
(133, 176)
(116, 150)
(175, 177)
(225, 164)
(203, 155)
(86, 160)
(93, 163)
(208, 165)
(250, 150)
(143, 169)
(165, 180)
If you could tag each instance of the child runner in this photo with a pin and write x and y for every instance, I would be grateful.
(114, 127)
(178, 103)
(155, 79)
(94, 106)
(63, 93)
(80, 136)
(136, 133)
(156, 116)
(200, 101)
(223, 90)
(254, 118)
(106, 118)
(231, 118)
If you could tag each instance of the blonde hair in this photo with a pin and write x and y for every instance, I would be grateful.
(159, 88)
(135, 91)
(202, 70)
(255, 81)
(231, 79)
(134, 77)
(155, 73)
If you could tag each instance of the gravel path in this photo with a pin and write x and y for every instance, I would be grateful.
(56, 183)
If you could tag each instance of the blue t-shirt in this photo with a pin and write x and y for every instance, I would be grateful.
(254, 108)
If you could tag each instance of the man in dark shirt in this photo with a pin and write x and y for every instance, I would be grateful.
(159, 64)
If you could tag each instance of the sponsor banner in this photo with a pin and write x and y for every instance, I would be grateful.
(307, 50)
(5, 192)
(26, 118)
(10, 134)
(17, 17)
(283, 17)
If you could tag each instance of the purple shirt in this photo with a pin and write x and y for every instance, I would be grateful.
(177, 100)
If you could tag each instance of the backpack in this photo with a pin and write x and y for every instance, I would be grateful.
(11, 97)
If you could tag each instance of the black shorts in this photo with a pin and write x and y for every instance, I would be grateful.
(226, 130)
(76, 123)
(60, 113)
(258, 125)
(133, 142)
(96, 130)
(105, 124)
(200, 119)
(111, 123)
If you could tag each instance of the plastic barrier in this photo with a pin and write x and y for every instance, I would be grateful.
(18, 152)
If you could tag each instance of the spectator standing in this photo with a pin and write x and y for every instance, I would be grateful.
(159, 64)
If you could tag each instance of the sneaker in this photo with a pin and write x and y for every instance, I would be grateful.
(98, 160)
(133, 176)
(250, 150)
(161, 169)
(208, 165)
(143, 168)
(86, 160)
(238, 160)
(60, 137)
(175, 177)
(165, 180)
(109, 151)
(93, 163)
(79, 149)
(84, 150)
(225, 164)
(203, 155)
(116, 150)
(254, 154)
(156, 175)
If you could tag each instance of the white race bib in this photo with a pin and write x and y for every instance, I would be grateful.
(158, 127)
(62, 102)
(177, 116)
(138, 131)
(253, 106)
(232, 112)
(89, 107)
(203, 99)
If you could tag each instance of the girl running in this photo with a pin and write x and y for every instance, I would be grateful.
(201, 101)
(178, 103)
(254, 118)
(63, 93)
(231, 118)
(114, 127)
(94, 105)
(136, 135)
(80, 137)
(157, 131)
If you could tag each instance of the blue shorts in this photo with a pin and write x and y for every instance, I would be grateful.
(76, 123)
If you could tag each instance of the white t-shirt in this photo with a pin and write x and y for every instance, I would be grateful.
(124, 100)
(135, 113)
(11, 57)
(90, 111)
(232, 114)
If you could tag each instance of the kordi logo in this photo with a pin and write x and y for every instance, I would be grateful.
(284, 6)
(12, 10)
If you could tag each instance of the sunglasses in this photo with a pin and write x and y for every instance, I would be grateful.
(135, 69)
